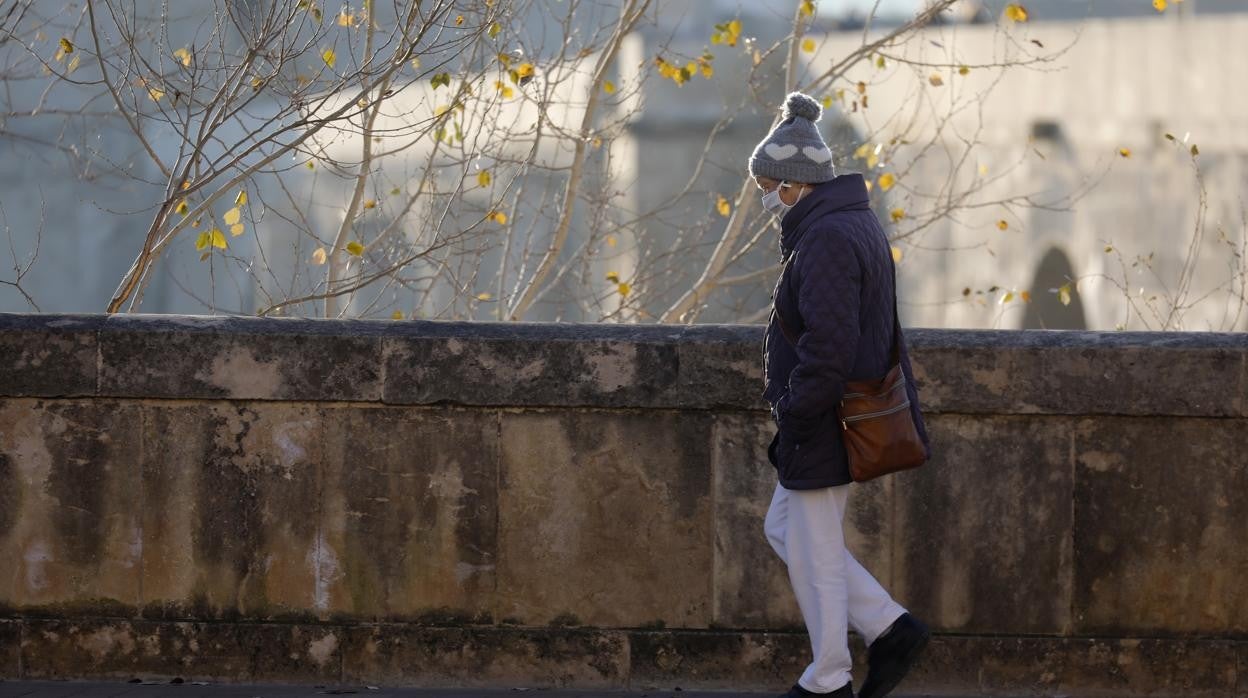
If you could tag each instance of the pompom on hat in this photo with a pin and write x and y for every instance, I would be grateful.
(794, 151)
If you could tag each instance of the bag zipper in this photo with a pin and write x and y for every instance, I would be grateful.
(900, 381)
(882, 413)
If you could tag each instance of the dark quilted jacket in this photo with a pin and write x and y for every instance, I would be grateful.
(835, 295)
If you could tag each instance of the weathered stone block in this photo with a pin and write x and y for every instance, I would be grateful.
(474, 364)
(983, 532)
(992, 372)
(1162, 513)
(10, 649)
(231, 494)
(1075, 666)
(605, 518)
(751, 583)
(69, 506)
(410, 514)
(191, 651)
(48, 355)
(240, 358)
(740, 661)
(1241, 649)
(720, 367)
(478, 657)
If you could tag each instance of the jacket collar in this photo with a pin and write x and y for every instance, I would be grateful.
(848, 192)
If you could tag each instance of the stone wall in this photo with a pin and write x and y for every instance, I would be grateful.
(568, 505)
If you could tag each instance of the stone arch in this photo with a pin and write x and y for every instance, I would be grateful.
(1046, 312)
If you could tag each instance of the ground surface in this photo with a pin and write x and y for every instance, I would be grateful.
(106, 689)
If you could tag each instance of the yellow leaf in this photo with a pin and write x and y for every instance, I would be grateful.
(608, 87)
(218, 238)
(692, 68)
(415, 63)
(309, 164)
(195, 223)
(354, 248)
(495, 28)
(613, 277)
(896, 254)
(936, 80)
(808, 8)
(808, 45)
(722, 205)
(625, 289)
(256, 83)
(184, 56)
(597, 142)
(1063, 294)
(964, 70)
(67, 46)
(1009, 296)
(881, 63)
(1159, 5)
(155, 93)
(483, 178)
(183, 208)
(498, 217)
(1195, 150)
(397, 315)
(345, 19)
(319, 256)
(203, 241)
(862, 151)
(459, 20)
(887, 180)
(983, 170)
(241, 198)
(237, 229)
(1015, 12)
(483, 296)
(862, 87)
(734, 30)
(707, 70)
(1003, 225)
(329, 57)
(827, 102)
(1026, 296)
(1125, 152)
(870, 186)
(524, 70)
(611, 241)
(232, 216)
(1109, 248)
(898, 214)
(370, 203)
(873, 159)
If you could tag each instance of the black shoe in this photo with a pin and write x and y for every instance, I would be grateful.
(846, 691)
(892, 654)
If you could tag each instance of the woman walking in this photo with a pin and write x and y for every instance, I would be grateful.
(833, 321)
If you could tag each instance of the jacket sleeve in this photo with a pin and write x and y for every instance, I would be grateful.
(829, 279)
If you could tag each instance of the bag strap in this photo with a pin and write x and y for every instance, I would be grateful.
(895, 354)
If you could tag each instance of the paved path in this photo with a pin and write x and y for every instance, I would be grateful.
(104, 689)
(107, 689)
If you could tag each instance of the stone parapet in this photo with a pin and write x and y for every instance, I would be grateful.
(489, 504)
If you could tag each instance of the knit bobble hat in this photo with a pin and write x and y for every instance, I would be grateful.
(794, 151)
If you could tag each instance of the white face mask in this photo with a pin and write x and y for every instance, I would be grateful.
(773, 203)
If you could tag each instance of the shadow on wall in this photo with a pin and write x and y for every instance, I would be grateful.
(1046, 311)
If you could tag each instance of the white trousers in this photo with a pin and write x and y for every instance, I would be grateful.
(833, 591)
